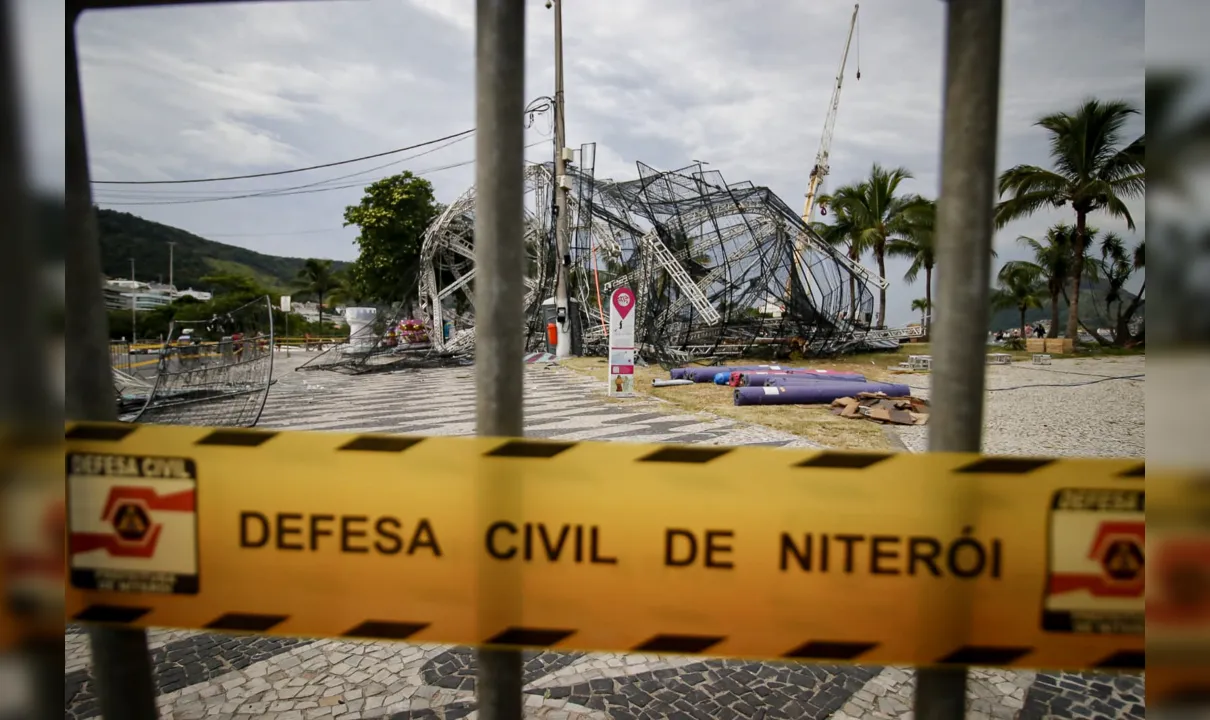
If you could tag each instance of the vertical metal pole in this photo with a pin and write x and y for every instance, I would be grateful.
(500, 273)
(563, 346)
(120, 659)
(965, 223)
(134, 296)
(26, 408)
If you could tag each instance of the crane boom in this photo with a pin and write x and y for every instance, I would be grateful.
(825, 142)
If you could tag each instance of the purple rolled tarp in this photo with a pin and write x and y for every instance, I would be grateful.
(820, 392)
(760, 379)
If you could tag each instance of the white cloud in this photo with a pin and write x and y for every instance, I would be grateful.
(202, 91)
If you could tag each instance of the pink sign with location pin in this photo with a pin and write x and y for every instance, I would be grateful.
(623, 301)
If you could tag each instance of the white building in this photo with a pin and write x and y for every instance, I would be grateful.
(121, 294)
(200, 295)
(310, 312)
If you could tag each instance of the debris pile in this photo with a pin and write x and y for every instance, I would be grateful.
(882, 408)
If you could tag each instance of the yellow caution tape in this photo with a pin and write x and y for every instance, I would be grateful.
(752, 552)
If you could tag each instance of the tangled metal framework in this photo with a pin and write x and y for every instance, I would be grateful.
(717, 269)
(215, 372)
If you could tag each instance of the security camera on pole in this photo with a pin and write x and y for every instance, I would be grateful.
(562, 185)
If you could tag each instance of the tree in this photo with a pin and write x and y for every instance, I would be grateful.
(316, 278)
(392, 216)
(877, 215)
(1019, 286)
(1093, 171)
(1052, 262)
(350, 287)
(844, 234)
(916, 244)
(1115, 266)
(923, 305)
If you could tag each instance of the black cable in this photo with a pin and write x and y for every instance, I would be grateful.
(288, 192)
(284, 172)
(535, 107)
(209, 194)
(1101, 379)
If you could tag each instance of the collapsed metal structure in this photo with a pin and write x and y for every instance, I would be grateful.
(214, 372)
(718, 269)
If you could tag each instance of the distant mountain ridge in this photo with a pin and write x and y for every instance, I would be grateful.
(124, 236)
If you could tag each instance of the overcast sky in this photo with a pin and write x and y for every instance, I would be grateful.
(186, 92)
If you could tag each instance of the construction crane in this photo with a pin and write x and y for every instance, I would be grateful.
(820, 171)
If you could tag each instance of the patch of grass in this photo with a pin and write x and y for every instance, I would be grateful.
(813, 422)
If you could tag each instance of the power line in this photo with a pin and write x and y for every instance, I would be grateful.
(283, 172)
(534, 108)
(299, 190)
(224, 194)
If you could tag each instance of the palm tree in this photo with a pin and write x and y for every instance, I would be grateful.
(1020, 286)
(916, 244)
(1115, 266)
(923, 305)
(316, 277)
(877, 215)
(842, 234)
(1052, 258)
(1094, 170)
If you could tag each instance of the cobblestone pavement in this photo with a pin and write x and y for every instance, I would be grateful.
(205, 675)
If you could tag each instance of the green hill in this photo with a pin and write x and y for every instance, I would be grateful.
(124, 236)
(1092, 306)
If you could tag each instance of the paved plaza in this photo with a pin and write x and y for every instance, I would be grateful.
(206, 675)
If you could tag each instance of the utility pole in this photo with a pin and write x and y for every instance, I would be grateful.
(563, 253)
(965, 226)
(500, 322)
(134, 333)
(170, 264)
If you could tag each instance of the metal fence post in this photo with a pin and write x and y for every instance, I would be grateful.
(965, 224)
(499, 274)
(25, 400)
(121, 663)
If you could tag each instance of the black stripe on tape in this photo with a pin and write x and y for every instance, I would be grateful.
(679, 643)
(385, 630)
(99, 432)
(530, 637)
(111, 613)
(1137, 471)
(684, 454)
(380, 443)
(1124, 660)
(985, 655)
(238, 438)
(246, 622)
(530, 449)
(825, 650)
(843, 461)
(1005, 465)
